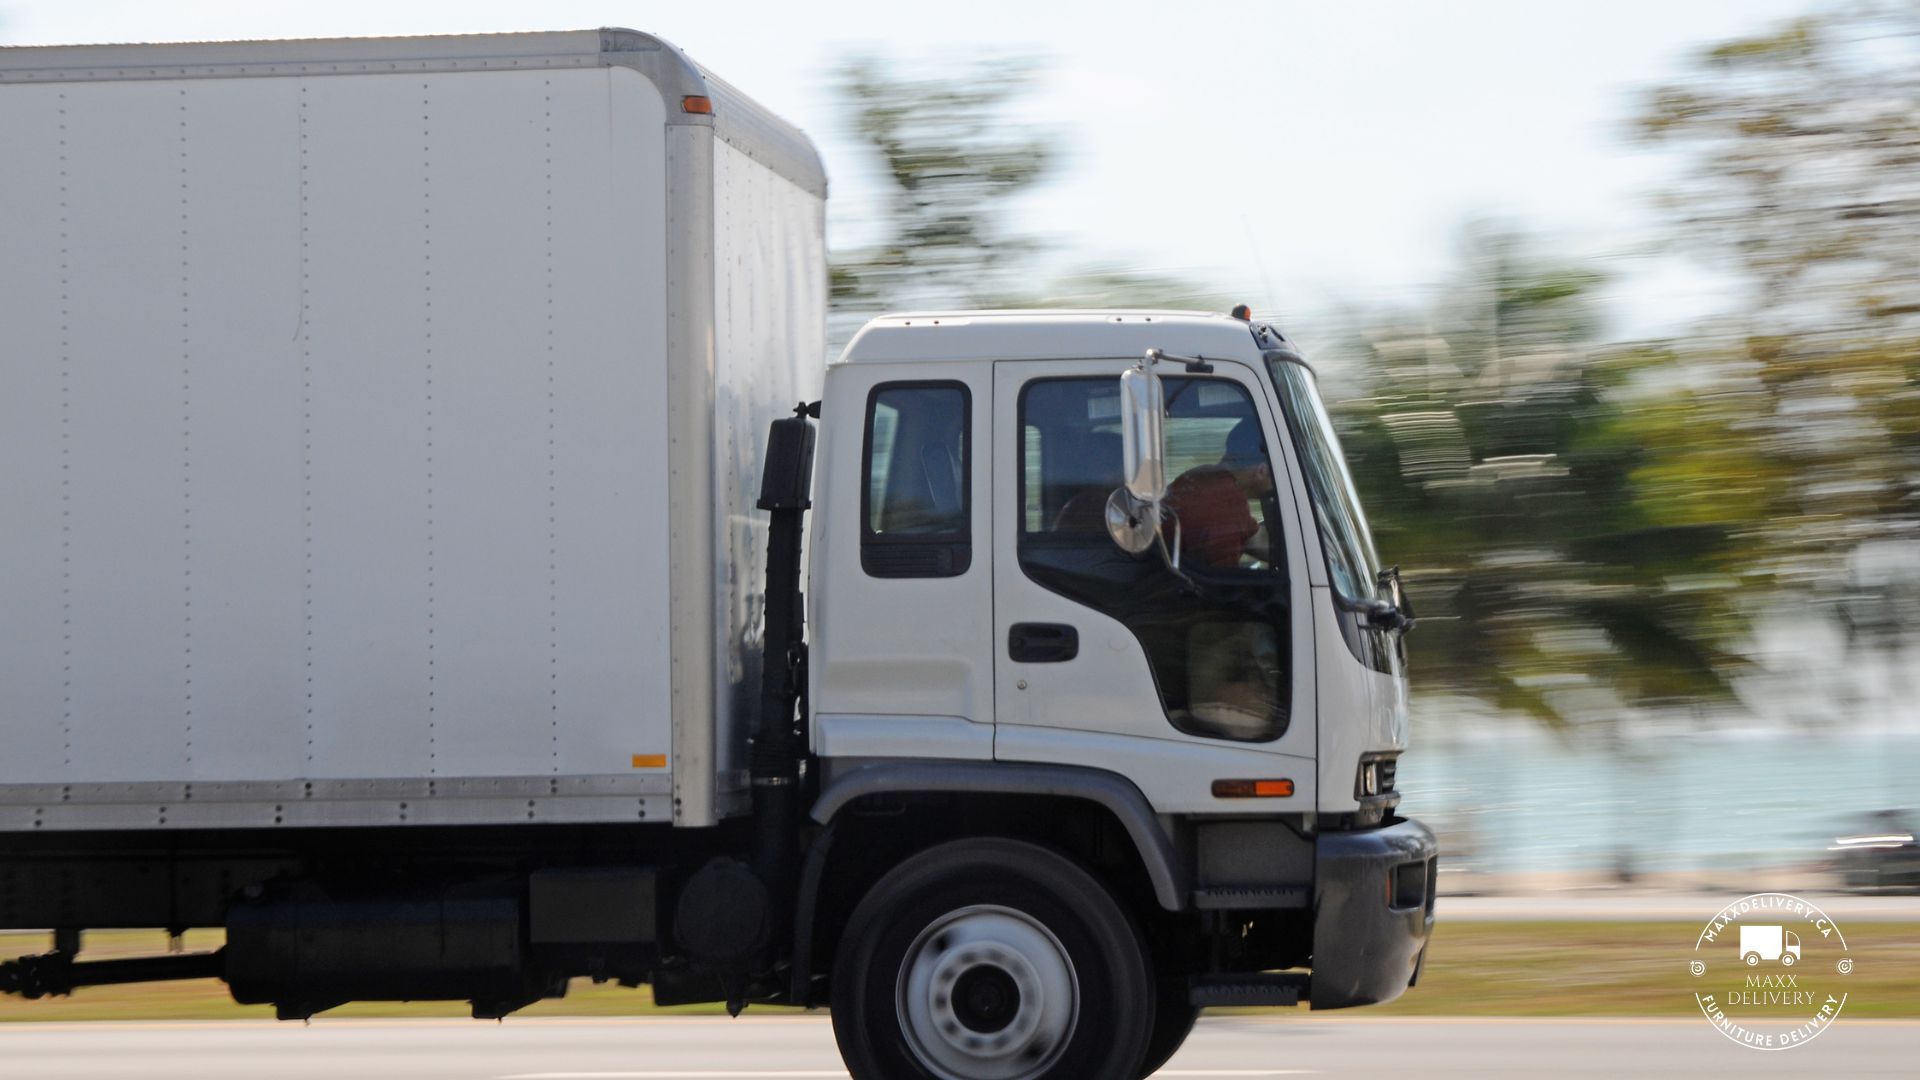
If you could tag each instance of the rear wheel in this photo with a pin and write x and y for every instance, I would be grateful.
(991, 960)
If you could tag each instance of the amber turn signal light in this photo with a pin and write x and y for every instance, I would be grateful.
(1252, 789)
(697, 103)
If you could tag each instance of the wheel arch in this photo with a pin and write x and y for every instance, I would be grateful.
(897, 789)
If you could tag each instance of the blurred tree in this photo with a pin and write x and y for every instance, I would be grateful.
(954, 157)
(1805, 180)
(951, 159)
(1506, 460)
(1804, 144)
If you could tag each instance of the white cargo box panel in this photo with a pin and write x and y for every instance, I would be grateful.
(379, 428)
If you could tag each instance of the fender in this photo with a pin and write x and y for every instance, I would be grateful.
(1167, 872)
(1116, 793)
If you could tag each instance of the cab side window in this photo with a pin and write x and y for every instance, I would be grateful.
(1216, 635)
(916, 504)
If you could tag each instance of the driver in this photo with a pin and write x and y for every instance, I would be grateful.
(1217, 527)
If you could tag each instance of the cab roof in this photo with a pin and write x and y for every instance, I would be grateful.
(1053, 335)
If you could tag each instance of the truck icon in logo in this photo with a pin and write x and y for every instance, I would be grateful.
(1759, 943)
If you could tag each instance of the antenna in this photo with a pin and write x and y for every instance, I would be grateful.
(1259, 261)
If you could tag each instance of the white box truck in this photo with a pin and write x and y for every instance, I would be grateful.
(407, 454)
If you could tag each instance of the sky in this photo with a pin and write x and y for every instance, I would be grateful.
(1310, 157)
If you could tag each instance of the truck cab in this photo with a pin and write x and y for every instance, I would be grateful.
(1211, 719)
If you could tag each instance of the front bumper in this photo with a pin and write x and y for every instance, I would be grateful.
(1372, 912)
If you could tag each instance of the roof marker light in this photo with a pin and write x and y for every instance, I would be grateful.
(697, 103)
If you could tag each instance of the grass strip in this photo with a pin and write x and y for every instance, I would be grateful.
(1522, 969)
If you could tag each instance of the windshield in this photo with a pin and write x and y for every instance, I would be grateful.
(1336, 508)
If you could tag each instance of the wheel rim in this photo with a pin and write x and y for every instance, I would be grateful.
(987, 993)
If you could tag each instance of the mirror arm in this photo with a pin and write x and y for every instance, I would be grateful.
(1390, 579)
(1170, 553)
(1197, 365)
(1378, 613)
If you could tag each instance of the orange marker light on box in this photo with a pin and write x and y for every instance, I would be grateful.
(697, 103)
(1252, 789)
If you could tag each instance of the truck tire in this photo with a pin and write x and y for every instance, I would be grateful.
(991, 959)
(1173, 1021)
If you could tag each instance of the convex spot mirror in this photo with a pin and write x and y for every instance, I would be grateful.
(1130, 522)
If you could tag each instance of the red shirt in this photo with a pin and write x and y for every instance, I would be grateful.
(1215, 523)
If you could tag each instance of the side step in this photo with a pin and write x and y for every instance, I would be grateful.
(1261, 988)
(1281, 897)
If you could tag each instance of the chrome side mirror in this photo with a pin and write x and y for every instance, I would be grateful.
(1133, 513)
(1142, 446)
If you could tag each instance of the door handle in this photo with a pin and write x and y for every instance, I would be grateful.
(1042, 643)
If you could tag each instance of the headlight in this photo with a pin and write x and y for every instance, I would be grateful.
(1376, 775)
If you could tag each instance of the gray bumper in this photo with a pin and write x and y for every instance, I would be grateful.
(1372, 912)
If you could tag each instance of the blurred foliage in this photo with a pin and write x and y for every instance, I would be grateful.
(1549, 530)
(954, 156)
(1596, 525)
(951, 158)
(1804, 144)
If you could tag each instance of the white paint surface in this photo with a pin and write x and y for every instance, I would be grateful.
(330, 436)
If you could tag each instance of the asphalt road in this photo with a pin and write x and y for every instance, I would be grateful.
(796, 1048)
(1645, 905)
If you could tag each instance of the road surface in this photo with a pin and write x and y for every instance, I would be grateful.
(1638, 905)
(802, 1049)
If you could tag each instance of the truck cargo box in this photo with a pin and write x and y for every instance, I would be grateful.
(379, 422)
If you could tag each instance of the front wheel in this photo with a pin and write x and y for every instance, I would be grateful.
(991, 960)
(1173, 1020)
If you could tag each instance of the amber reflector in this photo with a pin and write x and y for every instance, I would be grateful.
(696, 103)
(1252, 789)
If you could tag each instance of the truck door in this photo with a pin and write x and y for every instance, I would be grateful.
(1106, 659)
(902, 591)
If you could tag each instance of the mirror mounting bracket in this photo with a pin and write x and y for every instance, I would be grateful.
(1197, 365)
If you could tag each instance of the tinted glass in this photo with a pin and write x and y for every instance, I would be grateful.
(916, 470)
(1216, 637)
(916, 504)
(1351, 561)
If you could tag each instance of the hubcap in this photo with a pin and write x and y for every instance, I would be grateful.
(986, 999)
(987, 993)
